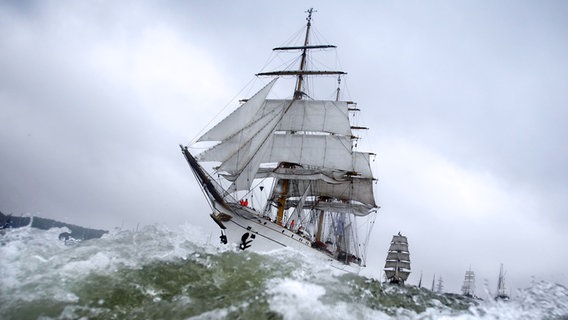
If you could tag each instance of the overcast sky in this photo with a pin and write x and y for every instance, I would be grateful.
(466, 100)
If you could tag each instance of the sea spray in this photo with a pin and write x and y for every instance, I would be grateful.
(158, 273)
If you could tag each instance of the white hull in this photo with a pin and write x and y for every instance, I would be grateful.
(266, 236)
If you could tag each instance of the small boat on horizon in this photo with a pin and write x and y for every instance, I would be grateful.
(468, 287)
(501, 294)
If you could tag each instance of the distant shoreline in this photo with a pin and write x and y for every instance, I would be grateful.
(77, 232)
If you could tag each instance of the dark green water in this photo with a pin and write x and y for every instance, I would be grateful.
(162, 274)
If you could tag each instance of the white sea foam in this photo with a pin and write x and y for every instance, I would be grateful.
(36, 266)
(37, 258)
(304, 300)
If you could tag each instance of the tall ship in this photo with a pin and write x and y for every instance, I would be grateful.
(468, 287)
(397, 264)
(440, 285)
(297, 160)
(501, 291)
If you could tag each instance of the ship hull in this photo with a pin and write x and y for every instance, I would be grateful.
(249, 231)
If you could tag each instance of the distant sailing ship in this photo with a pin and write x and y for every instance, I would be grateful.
(321, 200)
(468, 287)
(440, 286)
(397, 264)
(501, 291)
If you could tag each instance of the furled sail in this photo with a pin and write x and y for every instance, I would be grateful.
(354, 190)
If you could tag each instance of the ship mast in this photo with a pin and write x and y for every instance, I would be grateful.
(338, 90)
(299, 85)
(301, 72)
(298, 93)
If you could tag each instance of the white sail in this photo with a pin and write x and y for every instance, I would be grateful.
(243, 144)
(250, 165)
(299, 207)
(390, 273)
(403, 275)
(326, 175)
(392, 255)
(468, 287)
(314, 116)
(355, 190)
(323, 151)
(361, 169)
(399, 239)
(362, 164)
(296, 130)
(397, 264)
(348, 208)
(240, 118)
(286, 131)
(398, 247)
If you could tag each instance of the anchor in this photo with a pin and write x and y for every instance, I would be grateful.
(244, 242)
(223, 237)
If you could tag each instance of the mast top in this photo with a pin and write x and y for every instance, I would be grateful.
(309, 12)
(298, 93)
(303, 70)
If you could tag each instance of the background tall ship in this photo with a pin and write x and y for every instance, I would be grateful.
(320, 198)
(468, 287)
(501, 291)
(397, 264)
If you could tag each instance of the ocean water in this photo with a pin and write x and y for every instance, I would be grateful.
(160, 273)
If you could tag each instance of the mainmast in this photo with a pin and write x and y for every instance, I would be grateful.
(298, 93)
(288, 185)
(302, 71)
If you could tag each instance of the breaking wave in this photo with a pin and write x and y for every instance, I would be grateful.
(159, 273)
